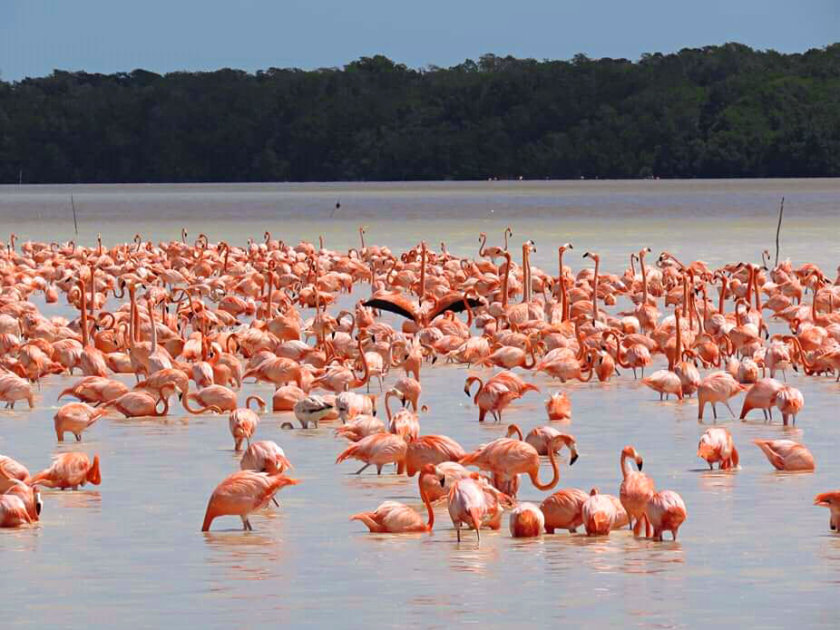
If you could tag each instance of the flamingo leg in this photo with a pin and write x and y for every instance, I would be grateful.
(359, 472)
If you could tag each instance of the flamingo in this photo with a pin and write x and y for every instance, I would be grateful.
(472, 502)
(665, 511)
(312, 409)
(69, 470)
(243, 422)
(392, 517)
(562, 510)
(431, 449)
(717, 387)
(76, 418)
(559, 407)
(31, 498)
(495, 395)
(360, 427)
(790, 402)
(13, 512)
(831, 500)
(761, 395)
(135, 404)
(602, 513)
(95, 390)
(213, 397)
(376, 449)
(665, 382)
(242, 493)
(507, 458)
(264, 456)
(635, 491)
(285, 397)
(13, 388)
(11, 472)
(526, 521)
(787, 455)
(717, 447)
(541, 437)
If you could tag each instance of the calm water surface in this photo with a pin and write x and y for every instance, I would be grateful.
(129, 552)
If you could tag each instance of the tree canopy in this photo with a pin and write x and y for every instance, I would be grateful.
(717, 111)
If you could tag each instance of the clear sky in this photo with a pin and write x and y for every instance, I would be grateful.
(37, 36)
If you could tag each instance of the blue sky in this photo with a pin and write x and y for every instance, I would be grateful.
(37, 36)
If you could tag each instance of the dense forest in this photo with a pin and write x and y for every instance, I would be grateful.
(718, 111)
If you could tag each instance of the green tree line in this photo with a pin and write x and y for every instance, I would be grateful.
(717, 111)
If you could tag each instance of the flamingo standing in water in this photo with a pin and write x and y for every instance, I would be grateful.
(831, 500)
(717, 447)
(76, 418)
(602, 513)
(11, 472)
(392, 517)
(13, 388)
(526, 521)
(787, 455)
(13, 512)
(507, 458)
(665, 511)
(717, 387)
(635, 491)
(559, 407)
(264, 456)
(242, 493)
(243, 422)
(431, 449)
(95, 390)
(312, 409)
(376, 449)
(471, 502)
(69, 470)
(562, 510)
(761, 395)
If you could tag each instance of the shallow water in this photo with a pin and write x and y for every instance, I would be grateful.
(753, 550)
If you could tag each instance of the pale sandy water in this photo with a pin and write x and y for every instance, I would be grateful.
(753, 551)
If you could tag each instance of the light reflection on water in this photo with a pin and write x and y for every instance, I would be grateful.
(754, 549)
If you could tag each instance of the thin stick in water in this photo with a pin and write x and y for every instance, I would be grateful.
(778, 230)
(75, 223)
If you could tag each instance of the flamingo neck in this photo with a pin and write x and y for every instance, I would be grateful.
(552, 458)
(625, 466)
(425, 498)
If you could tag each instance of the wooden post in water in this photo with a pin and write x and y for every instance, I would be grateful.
(75, 223)
(778, 230)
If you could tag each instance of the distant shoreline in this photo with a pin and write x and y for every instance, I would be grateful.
(707, 113)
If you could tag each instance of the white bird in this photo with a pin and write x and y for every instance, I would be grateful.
(311, 409)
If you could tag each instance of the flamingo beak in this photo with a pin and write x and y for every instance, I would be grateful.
(640, 463)
(574, 458)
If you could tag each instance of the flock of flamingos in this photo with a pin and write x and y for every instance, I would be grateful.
(192, 321)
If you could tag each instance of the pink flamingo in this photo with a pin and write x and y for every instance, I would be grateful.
(787, 455)
(392, 517)
(69, 470)
(242, 493)
(562, 510)
(665, 511)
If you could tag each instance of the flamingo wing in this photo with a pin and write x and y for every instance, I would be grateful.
(393, 303)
